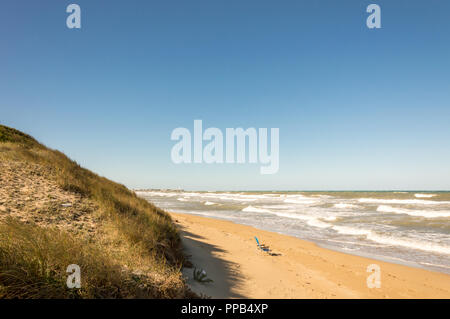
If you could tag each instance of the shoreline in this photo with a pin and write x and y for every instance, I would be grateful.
(300, 269)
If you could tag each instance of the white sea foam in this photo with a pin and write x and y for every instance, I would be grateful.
(310, 220)
(191, 194)
(162, 194)
(226, 196)
(209, 203)
(343, 206)
(278, 206)
(317, 223)
(239, 199)
(323, 196)
(253, 209)
(409, 243)
(295, 216)
(402, 201)
(300, 201)
(359, 243)
(424, 195)
(417, 213)
(393, 241)
(351, 231)
(435, 265)
(292, 215)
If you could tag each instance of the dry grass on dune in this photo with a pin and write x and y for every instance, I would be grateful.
(125, 247)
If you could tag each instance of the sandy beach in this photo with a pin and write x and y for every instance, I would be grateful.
(297, 268)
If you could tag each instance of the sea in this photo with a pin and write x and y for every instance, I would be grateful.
(410, 228)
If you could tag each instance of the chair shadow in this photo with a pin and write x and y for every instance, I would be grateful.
(269, 252)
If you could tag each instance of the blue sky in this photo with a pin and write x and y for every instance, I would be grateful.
(357, 108)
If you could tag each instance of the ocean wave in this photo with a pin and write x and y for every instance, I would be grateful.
(417, 213)
(343, 206)
(401, 201)
(434, 265)
(163, 194)
(310, 220)
(409, 243)
(351, 231)
(279, 206)
(209, 203)
(322, 196)
(424, 195)
(234, 198)
(315, 222)
(253, 209)
(300, 201)
(294, 216)
(191, 194)
(240, 199)
(218, 196)
(393, 241)
(359, 243)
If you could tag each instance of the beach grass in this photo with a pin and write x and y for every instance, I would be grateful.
(135, 252)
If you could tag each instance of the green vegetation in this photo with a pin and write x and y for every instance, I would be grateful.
(136, 252)
(8, 134)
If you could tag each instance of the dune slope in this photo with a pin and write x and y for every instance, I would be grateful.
(54, 213)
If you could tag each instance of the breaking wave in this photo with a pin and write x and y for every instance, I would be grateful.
(416, 213)
(402, 201)
(424, 195)
(343, 206)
